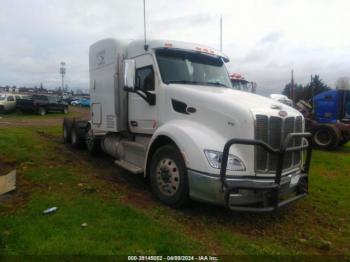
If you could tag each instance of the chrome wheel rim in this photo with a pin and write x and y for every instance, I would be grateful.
(168, 177)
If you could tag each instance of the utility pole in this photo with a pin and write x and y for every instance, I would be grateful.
(292, 91)
(312, 94)
(144, 24)
(62, 72)
(221, 33)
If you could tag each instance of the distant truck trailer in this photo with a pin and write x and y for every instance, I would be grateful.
(167, 110)
(328, 118)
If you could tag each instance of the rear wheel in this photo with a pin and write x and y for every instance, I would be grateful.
(42, 111)
(326, 138)
(77, 139)
(67, 128)
(168, 176)
(93, 143)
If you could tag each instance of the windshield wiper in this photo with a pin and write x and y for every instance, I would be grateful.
(182, 82)
(215, 84)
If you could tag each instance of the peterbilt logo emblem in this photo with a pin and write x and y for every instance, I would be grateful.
(282, 113)
(101, 57)
(100, 60)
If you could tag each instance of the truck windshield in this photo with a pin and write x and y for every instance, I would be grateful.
(2, 97)
(241, 85)
(182, 67)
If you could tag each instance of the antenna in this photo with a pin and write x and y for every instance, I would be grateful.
(62, 72)
(292, 88)
(144, 24)
(220, 33)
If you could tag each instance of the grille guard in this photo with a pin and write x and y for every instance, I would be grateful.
(274, 189)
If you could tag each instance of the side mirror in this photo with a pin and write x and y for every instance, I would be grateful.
(129, 74)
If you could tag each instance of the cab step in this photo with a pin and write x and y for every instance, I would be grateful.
(129, 166)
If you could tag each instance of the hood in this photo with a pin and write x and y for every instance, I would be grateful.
(229, 101)
(222, 114)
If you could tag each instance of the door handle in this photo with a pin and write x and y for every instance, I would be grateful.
(133, 123)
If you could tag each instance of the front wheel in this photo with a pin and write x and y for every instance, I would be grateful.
(168, 176)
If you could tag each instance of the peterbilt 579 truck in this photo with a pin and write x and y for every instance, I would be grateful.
(167, 110)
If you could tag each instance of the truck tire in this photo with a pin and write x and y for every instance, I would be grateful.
(168, 177)
(66, 130)
(77, 136)
(93, 143)
(42, 111)
(325, 137)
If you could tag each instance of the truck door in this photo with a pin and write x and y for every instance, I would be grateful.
(52, 104)
(142, 115)
(11, 103)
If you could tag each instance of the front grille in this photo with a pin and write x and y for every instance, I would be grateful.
(273, 130)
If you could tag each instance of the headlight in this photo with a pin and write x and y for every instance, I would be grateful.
(234, 163)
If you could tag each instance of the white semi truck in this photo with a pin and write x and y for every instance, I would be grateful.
(167, 110)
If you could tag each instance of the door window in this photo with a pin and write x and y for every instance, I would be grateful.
(52, 99)
(11, 98)
(145, 78)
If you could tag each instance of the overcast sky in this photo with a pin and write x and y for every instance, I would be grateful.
(264, 39)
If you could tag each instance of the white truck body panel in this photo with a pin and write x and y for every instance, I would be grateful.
(108, 103)
(219, 117)
(222, 113)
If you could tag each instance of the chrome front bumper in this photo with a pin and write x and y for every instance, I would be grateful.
(208, 188)
(270, 194)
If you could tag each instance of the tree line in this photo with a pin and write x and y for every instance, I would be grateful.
(306, 92)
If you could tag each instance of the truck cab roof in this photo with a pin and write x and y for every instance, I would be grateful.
(137, 47)
(106, 51)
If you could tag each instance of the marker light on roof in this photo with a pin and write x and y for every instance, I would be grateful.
(205, 50)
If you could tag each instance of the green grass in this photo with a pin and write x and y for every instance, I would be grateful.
(112, 229)
(122, 219)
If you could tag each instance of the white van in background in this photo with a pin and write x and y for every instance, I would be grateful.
(8, 102)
